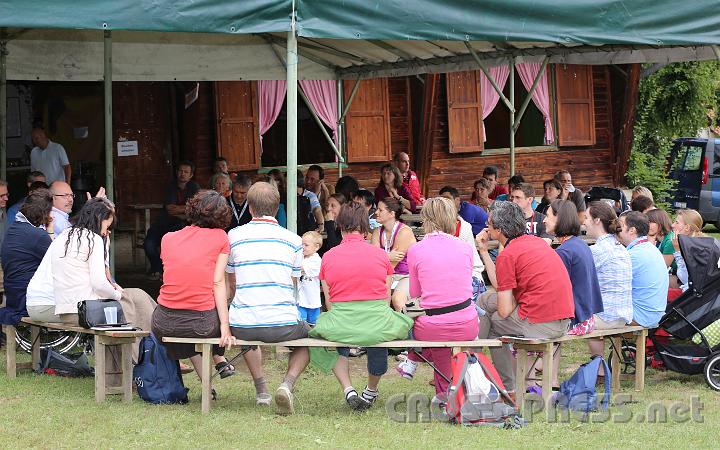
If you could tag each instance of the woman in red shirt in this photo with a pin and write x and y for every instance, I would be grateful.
(356, 279)
(193, 300)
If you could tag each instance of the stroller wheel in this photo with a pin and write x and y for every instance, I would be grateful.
(627, 358)
(712, 371)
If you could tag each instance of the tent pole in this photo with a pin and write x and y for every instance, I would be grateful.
(511, 92)
(350, 100)
(340, 143)
(107, 94)
(534, 86)
(3, 110)
(292, 90)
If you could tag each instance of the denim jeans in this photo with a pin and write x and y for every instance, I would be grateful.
(377, 364)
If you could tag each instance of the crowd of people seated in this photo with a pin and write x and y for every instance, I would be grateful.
(504, 261)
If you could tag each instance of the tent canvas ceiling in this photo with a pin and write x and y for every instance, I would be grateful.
(232, 40)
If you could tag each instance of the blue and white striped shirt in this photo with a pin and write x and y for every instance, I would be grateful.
(614, 272)
(265, 258)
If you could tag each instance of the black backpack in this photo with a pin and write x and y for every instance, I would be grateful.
(305, 217)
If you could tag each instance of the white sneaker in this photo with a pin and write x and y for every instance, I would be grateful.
(407, 368)
(284, 401)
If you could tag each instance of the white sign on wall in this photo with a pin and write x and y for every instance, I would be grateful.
(127, 148)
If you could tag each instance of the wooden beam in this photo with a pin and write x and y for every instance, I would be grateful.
(427, 130)
(625, 138)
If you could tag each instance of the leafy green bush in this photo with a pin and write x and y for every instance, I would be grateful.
(673, 102)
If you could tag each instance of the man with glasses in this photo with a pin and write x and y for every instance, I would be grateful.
(63, 200)
(532, 295)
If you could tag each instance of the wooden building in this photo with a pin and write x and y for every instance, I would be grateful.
(434, 118)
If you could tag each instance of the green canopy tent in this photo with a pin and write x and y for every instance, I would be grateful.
(165, 40)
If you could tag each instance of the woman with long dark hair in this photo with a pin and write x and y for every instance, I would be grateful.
(25, 244)
(78, 260)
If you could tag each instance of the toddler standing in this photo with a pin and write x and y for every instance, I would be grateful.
(309, 289)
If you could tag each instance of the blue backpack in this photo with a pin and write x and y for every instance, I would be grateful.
(158, 377)
(579, 393)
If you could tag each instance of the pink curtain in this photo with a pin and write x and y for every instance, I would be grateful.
(271, 96)
(541, 96)
(489, 96)
(323, 98)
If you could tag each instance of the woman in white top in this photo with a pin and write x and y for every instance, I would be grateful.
(78, 258)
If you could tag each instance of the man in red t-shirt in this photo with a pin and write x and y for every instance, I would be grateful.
(410, 178)
(534, 295)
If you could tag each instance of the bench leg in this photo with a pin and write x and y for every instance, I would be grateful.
(100, 383)
(10, 350)
(35, 350)
(547, 376)
(127, 371)
(616, 364)
(205, 373)
(520, 380)
(640, 340)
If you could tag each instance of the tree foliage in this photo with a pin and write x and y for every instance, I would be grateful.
(676, 101)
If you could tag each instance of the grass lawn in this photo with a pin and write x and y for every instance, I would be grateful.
(53, 412)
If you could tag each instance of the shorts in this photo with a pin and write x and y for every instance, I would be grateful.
(272, 334)
(309, 315)
(601, 324)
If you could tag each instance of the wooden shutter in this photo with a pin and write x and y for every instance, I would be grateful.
(465, 132)
(238, 137)
(367, 122)
(575, 105)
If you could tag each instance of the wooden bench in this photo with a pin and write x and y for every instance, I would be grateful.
(204, 346)
(125, 339)
(523, 366)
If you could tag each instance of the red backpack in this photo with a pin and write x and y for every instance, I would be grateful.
(476, 395)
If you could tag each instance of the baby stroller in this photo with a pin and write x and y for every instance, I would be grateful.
(692, 346)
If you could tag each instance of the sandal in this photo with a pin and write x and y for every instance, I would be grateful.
(357, 352)
(185, 369)
(225, 369)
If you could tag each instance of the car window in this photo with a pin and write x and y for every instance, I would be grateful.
(716, 160)
(693, 157)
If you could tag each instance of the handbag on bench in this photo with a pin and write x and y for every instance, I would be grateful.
(91, 313)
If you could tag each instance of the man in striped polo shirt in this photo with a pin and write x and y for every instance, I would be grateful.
(264, 267)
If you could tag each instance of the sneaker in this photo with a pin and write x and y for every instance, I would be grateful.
(407, 368)
(284, 401)
(370, 395)
(402, 356)
(263, 399)
(356, 402)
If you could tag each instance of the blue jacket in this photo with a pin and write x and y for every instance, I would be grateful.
(23, 249)
(474, 215)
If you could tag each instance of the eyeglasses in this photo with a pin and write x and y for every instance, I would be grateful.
(66, 196)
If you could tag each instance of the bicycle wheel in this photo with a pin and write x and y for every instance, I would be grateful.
(60, 341)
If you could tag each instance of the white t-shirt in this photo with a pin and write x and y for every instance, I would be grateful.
(50, 161)
(265, 258)
(309, 289)
(466, 235)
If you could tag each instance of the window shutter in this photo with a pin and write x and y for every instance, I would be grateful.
(367, 122)
(238, 137)
(575, 105)
(465, 129)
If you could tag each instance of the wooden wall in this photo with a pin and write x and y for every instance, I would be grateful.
(588, 165)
